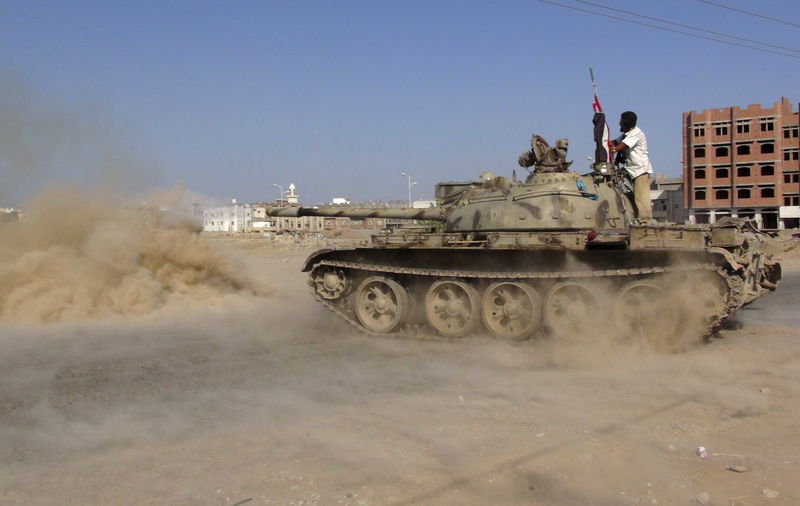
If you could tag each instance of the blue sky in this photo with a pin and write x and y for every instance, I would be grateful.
(341, 97)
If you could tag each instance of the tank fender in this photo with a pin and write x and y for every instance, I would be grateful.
(311, 260)
(736, 266)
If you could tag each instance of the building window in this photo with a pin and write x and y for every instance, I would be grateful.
(767, 170)
(743, 171)
(721, 172)
(767, 192)
(743, 149)
(699, 152)
(743, 193)
(791, 177)
(699, 131)
(721, 130)
(721, 151)
(791, 200)
(767, 148)
(791, 154)
(721, 194)
(767, 124)
(743, 127)
(790, 132)
(699, 194)
(700, 174)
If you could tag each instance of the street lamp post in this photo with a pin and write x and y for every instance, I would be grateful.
(409, 187)
(280, 188)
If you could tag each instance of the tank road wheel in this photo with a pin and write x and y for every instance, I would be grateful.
(451, 308)
(571, 309)
(329, 282)
(511, 310)
(640, 312)
(709, 297)
(381, 304)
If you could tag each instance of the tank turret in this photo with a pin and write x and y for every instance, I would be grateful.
(550, 198)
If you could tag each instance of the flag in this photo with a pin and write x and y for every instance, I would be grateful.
(602, 134)
(601, 137)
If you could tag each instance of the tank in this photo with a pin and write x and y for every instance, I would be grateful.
(557, 253)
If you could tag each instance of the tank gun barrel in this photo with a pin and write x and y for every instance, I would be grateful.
(400, 213)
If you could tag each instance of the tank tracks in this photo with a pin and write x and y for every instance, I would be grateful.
(423, 331)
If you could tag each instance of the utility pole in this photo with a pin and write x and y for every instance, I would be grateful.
(409, 187)
(280, 195)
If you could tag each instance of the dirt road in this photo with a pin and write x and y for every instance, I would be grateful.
(270, 400)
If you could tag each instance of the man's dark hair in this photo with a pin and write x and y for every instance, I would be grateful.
(628, 120)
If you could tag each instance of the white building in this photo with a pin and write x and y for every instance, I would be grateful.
(233, 218)
(666, 199)
(292, 198)
(260, 222)
(423, 204)
(9, 214)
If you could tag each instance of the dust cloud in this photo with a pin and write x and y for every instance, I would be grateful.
(119, 322)
(80, 255)
(663, 314)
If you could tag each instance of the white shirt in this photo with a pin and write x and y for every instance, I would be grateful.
(637, 161)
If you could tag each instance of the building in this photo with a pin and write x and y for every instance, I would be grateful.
(300, 224)
(239, 218)
(9, 214)
(259, 221)
(423, 204)
(292, 198)
(743, 162)
(666, 199)
(334, 223)
(234, 218)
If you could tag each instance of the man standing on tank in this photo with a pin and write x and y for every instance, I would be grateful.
(637, 162)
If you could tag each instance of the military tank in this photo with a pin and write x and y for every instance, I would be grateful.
(557, 253)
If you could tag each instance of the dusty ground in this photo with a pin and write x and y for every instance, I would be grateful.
(270, 400)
